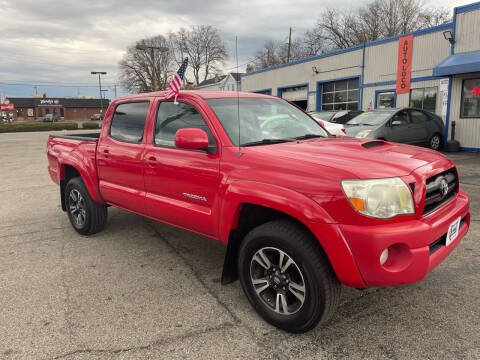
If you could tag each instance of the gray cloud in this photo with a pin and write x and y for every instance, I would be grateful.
(62, 41)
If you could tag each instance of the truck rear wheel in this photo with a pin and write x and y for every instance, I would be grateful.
(286, 276)
(86, 216)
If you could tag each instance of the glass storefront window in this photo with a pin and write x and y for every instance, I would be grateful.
(424, 98)
(385, 100)
(470, 107)
(340, 95)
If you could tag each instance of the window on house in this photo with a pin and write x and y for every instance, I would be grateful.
(385, 100)
(424, 98)
(340, 95)
(470, 107)
(128, 122)
(19, 112)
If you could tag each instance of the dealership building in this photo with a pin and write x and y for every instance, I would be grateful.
(436, 69)
(34, 108)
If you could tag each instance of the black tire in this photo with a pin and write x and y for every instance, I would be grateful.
(322, 288)
(435, 142)
(94, 215)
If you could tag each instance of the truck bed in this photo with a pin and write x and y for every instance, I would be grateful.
(83, 137)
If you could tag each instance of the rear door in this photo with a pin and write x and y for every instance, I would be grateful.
(419, 127)
(120, 156)
(182, 185)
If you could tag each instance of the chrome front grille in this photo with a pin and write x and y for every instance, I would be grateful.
(440, 189)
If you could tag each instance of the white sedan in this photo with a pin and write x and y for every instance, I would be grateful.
(332, 128)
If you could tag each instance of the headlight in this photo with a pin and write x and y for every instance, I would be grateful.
(379, 198)
(363, 134)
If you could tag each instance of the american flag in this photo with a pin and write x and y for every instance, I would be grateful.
(174, 87)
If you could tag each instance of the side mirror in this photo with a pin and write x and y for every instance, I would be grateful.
(396, 123)
(191, 139)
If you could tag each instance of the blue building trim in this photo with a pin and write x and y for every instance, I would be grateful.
(262, 91)
(468, 7)
(386, 91)
(318, 105)
(469, 148)
(442, 27)
(393, 82)
(360, 104)
(281, 88)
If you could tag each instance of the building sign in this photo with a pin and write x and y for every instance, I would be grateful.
(46, 102)
(30, 112)
(7, 107)
(404, 63)
(444, 91)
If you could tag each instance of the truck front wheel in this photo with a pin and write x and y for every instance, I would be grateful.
(286, 276)
(86, 216)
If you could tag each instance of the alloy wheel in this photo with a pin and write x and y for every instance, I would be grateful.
(77, 208)
(277, 280)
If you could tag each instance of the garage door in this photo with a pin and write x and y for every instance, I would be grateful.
(295, 94)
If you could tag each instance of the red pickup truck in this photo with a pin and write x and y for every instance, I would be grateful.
(300, 211)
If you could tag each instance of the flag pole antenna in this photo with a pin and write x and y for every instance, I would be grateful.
(238, 101)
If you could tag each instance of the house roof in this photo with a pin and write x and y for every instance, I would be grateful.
(213, 80)
(64, 102)
(236, 76)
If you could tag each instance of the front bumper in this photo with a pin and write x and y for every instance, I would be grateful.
(415, 247)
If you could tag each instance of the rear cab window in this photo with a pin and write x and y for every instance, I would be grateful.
(128, 121)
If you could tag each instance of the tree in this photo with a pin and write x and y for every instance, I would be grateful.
(146, 70)
(376, 20)
(204, 48)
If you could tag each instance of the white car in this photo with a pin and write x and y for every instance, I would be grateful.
(332, 128)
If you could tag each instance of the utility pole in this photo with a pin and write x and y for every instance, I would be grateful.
(289, 44)
(99, 86)
(152, 60)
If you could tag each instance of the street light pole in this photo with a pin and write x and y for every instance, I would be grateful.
(152, 60)
(99, 86)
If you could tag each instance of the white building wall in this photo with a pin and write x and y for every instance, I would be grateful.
(467, 36)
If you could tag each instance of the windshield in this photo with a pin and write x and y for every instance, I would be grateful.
(263, 120)
(370, 118)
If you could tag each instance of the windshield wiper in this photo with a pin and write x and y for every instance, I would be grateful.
(267, 141)
(308, 136)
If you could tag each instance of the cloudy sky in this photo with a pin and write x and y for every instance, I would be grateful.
(55, 44)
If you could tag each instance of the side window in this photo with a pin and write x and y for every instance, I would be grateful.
(401, 116)
(128, 122)
(418, 117)
(171, 118)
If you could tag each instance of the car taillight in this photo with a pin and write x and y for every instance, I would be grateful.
(343, 130)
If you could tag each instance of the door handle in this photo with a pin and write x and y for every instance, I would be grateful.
(151, 160)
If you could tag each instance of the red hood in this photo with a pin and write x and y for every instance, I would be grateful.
(360, 158)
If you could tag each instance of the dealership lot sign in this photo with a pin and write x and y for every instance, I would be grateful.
(404, 66)
(7, 107)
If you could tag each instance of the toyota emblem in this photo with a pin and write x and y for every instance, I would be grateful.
(444, 187)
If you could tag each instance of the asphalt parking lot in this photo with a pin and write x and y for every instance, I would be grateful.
(144, 290)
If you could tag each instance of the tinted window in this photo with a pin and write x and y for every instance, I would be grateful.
(418, 117)
(470, 107)
(128, 122)
(403, 117)
(171, 117)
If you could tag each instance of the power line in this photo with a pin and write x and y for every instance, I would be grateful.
(53, 85)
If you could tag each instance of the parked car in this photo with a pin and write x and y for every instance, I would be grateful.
(50, 118)
(96, 117)
(406, 125)
(332, 128)
(300, 212)
(337, 116)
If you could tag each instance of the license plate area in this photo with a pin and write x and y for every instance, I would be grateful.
(453, 230)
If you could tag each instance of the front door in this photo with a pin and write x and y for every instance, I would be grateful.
(398, 129)
(182, 185)
(120, 157)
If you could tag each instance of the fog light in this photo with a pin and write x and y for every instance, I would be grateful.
(384, 256)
